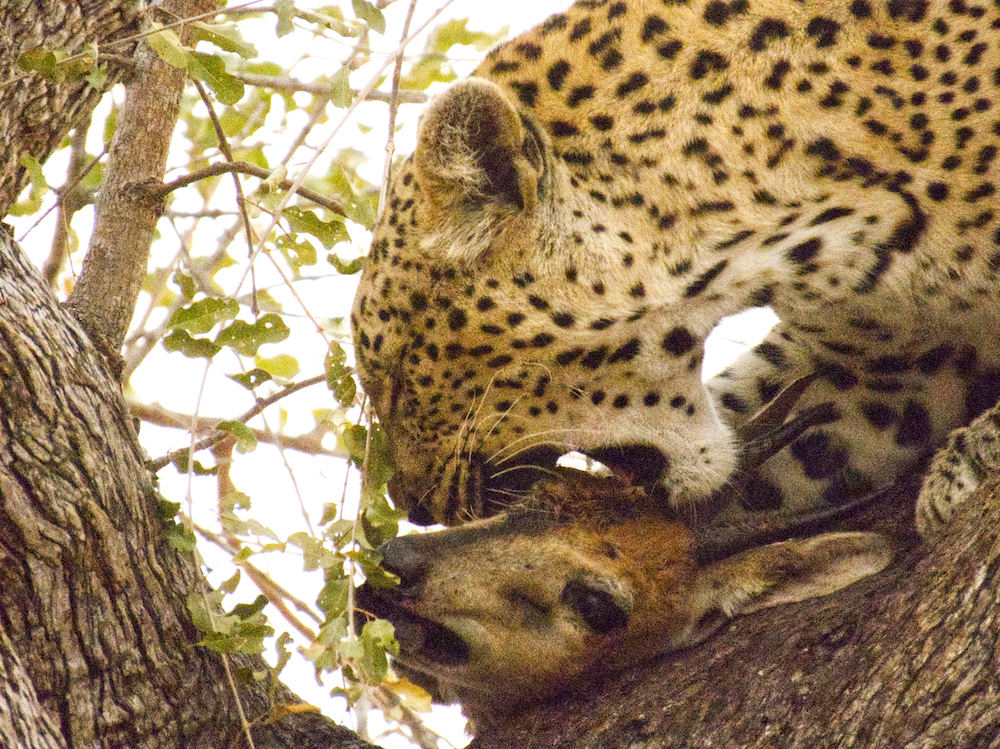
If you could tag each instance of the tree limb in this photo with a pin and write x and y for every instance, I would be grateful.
(36, 114)
(310, 444)
(93, 597)
(287, 83)
(262, 403)
(104, 297)
(242, 167)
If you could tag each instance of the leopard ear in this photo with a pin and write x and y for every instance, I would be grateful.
(785, 572)
(476, 166)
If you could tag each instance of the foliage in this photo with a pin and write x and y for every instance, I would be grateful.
(232, 328)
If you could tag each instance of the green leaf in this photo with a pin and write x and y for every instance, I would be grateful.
(346, 269)
(39, 60)
(247, 610)
(181, 538)
(314, 554)
(381, 521)
(369, 14)
(328, 232)
(354, 439)
(234, 524)
(39, 186)
(181, 464)
(285, 10)
(284, 366)
(245, 441)
(330, 512)
(246, 338)
(234, 500)
(193, 348)
(340, 88)
(212, 70)
(252, 379)
(226, 37)
(432, 68)
(229, 586)
(298, 251)
(98, 77)
(331, 17)
(332, 598)
(377, 636)
(185, 283)
(456, 31)
(168, 510)
(203, 315)
(167, 45)
(282, 653)
(358, 208)
(379, 466)
(338, 376)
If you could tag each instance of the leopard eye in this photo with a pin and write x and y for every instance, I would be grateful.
(595, 606)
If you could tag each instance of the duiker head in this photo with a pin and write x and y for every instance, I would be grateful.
(590, 576)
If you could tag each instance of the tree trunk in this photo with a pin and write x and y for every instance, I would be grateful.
(97, 647)
(96, 643)
(909, 658)
(36, 114)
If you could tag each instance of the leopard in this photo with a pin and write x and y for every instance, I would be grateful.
(582, 211)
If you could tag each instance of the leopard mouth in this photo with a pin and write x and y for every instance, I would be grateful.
(422, 641)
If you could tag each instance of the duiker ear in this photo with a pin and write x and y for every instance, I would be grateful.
(476, 165)
(787, 572)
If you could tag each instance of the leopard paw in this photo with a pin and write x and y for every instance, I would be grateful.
(972, 454)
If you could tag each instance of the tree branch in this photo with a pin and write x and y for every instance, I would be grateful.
(158, 463)
(310, 444)
(105, 295)
(289, 84)
(241, 167)
(93, 597)
(36, 115)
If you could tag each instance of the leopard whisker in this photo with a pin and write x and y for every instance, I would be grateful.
(516, 447)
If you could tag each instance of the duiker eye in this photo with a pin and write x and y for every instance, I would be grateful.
(595, 606)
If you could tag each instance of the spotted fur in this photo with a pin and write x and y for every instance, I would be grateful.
(581, 213)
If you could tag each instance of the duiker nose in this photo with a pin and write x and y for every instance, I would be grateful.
(403, 557)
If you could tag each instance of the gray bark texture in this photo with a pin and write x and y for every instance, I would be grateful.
(106, 291)
(96, 643)
(35, 114)
(97, 648)
(908, 659)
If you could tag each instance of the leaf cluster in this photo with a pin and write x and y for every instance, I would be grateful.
(248, 284)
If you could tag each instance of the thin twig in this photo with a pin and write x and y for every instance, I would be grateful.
(158, 463)
(242, 167)
(291, 85)
(273, 591)
(390, 141)
(310, 444)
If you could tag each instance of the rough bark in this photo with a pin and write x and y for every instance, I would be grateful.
(36, 114)
(105, 294)
(906, 659)
(92, 597)
(97, 647)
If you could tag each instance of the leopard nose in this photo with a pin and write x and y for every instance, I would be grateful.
(413, 495)
(639, 465)
(403, 558)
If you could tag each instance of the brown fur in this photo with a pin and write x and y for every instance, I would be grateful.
(590, 577)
